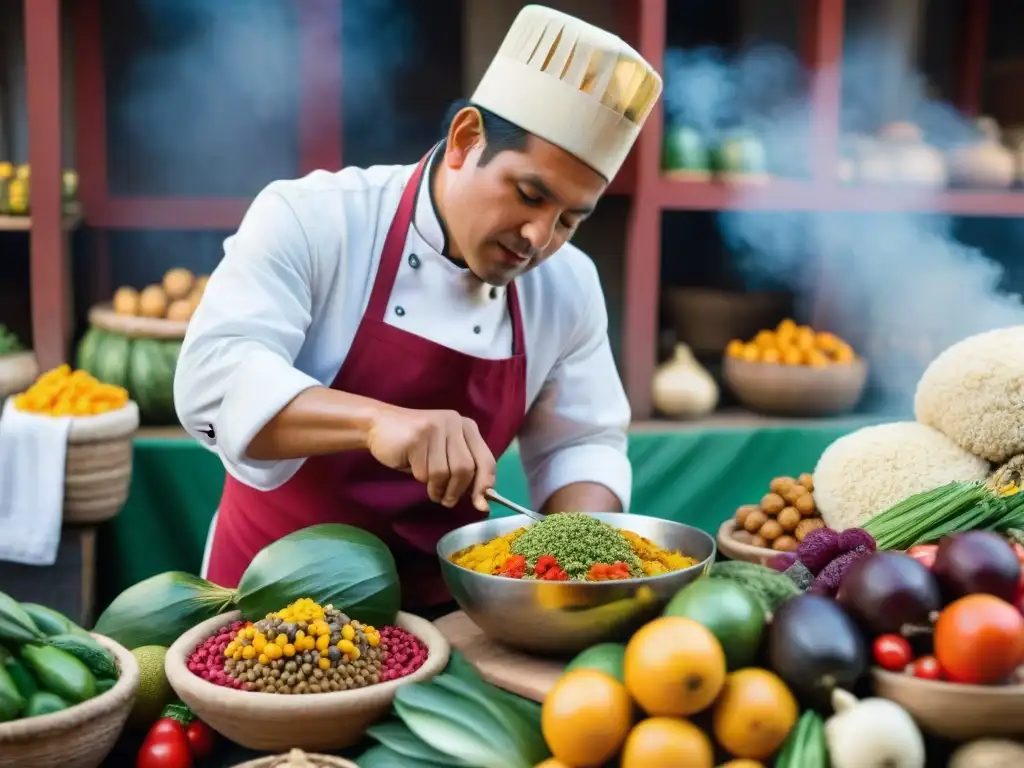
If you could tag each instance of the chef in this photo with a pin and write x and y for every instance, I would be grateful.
(374, 338)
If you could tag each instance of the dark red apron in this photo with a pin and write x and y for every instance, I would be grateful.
(400, 368)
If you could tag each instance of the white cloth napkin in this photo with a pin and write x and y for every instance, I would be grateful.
(33, 450)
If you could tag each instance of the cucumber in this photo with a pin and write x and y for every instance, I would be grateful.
(11, 700)
(22, 678)
(49, 621)
(59, 672)
(104, 684)
(44, 703)
(15, 624)
(99, 661)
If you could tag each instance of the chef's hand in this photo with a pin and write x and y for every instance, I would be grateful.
(440, 448)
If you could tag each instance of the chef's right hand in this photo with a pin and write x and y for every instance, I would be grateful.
(440, 448)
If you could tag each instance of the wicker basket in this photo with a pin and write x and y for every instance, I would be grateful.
(98, 467)
(320, 761)
(17, 372)
(104, 317)
(312, 722)
(81, 736)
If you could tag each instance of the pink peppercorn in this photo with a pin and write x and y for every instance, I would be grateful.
(404, 653)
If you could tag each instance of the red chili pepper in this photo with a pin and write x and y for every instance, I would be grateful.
(544, 564)
(892, 652)
(166, 746)
(924, 553)
(200, 739)
(927, 668)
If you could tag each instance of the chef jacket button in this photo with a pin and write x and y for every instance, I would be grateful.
(476, 329)
(400, 311)
(494, 293)
(414, 261)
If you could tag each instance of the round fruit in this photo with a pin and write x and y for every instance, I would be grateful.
(152, 301)
(730, 611)
(180, 310)
(126, 301)
(754, 714)
(585, 718)
(742, 763)
(552, 762)
(674, 667)
(154, 691)
(604, 657)
(667, 742)
(178, 283)
(979, 639)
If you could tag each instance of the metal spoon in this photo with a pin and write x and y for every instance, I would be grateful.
(499, 499)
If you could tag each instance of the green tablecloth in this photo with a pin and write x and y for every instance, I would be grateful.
(694, 476)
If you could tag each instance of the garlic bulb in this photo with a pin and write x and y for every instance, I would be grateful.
(682, 387)
(872, 733)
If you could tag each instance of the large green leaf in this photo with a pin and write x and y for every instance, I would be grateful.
(158, 610)
(396, 736)
(384, 757)
(333, 564)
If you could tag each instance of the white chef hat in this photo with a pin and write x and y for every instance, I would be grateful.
(572, 84)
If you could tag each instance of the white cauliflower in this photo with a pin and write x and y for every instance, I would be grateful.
(872, 468)
(973, 393)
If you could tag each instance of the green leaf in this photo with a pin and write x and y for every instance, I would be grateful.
(455, 726)
(159, 609)
(397, 736)
(333, 564)
(383, 757)
(528, 710)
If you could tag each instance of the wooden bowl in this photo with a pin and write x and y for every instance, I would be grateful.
(796, 390)
(953, 711)
(707, 319)
(737, 550)
(82, 735)
(17, 372)
(104, 317)
(313, 722)
(320, 761)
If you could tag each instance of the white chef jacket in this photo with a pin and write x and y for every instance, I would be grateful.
(281, 310)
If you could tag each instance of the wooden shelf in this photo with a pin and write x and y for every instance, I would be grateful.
(794, 195)
(24, 223)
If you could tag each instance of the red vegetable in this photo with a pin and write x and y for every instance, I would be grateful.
(200, 739)
(166, 746)
(892, 652)
(544, 564)
(924, 553)
(514, 567)
(927, 668)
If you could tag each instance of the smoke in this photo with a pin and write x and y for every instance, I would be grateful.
(218, 87)
(899, 286)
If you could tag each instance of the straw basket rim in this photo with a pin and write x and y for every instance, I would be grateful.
(112, 425)
(59, 723)
(104, 317)
(330, 761)
(190, 686)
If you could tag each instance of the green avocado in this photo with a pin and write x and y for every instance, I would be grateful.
(604, 657)
(729, 611)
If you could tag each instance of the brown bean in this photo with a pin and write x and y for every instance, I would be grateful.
(772, 504)
(781, 484)
(805, 504)
(789, 519)
(806, 480)
(794, 494)
(754, 521)
(771, 530)
(743, 512)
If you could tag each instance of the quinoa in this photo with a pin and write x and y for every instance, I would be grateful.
(577, 541)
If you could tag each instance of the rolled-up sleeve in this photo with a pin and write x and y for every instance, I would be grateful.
(576, 429)
(236, 367)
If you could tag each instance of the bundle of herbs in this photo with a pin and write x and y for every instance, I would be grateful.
(928, 516)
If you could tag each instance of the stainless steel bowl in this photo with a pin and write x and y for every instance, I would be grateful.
(557, 618)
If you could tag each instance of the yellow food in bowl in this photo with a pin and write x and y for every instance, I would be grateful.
(792, 344)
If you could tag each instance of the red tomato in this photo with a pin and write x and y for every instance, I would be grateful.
(892, 652)
(166, 746)
(924, 553)
(927, 668)
(200, 739)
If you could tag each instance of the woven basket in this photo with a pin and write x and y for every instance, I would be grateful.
(320, 761)
(79, 737)
(17, 372)
(98, 467)
(313, 721)
(105, 318)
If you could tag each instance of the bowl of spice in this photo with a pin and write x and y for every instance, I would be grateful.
(572, 580)
(306, 677)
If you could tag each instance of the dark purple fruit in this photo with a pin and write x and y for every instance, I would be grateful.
(976, 562)
(886, 590)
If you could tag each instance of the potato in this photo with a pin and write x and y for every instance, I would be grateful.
(795, 492)
(785, 544)
(126, 301)
(789, 519)
(742, 512)
(807, 525)
(781, 484)
(772, 503)
(805, 504)
(754, 521)
(771, 530)
(153, 301)
(806, 480)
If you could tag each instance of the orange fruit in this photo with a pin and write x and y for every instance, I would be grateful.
(667, 742)
(674, 667)
(741, 763)
(552, 762)
(754, 714)
(586, 717)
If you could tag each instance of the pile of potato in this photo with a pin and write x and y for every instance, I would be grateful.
(792, 344)
(783, 518)
(174, 298)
